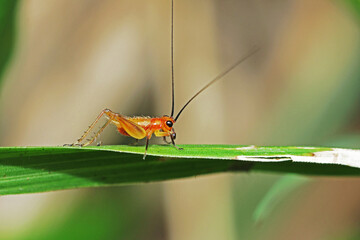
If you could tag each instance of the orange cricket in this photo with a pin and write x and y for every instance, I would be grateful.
(145, 127)
(136, 127)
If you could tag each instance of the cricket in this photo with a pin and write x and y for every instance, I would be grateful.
(144, 127)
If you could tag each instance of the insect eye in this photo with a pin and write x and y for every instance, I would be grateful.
(169, 123)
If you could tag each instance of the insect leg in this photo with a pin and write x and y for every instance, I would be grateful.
(173, 142)
(159, 133)
(166, 141)
(88, 131)
(146, 147)
(135, 142)
(90, 141)
(148, 136)
(172, 135)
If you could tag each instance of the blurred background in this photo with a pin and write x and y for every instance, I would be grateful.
(71, 59)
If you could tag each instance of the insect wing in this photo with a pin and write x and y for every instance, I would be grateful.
(132, 128)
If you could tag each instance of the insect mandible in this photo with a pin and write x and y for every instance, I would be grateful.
(145, 127)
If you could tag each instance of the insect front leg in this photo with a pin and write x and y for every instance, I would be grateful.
(172, 136)
(166, 141)
(159, 133)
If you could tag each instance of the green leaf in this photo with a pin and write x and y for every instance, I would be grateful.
(276, 193)
(39, 169)
(7, 31)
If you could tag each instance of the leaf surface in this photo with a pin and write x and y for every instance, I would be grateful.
(39, 169)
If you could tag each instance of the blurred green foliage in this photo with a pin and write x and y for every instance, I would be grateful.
(7, 32)
(109, 213)
(354, 5)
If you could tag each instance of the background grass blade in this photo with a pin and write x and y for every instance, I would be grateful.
(38, 169)
(7, 32)
(282, 187)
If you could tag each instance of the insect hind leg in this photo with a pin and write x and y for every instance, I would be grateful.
(85, 140)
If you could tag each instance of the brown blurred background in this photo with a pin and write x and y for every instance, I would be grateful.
(75, 58)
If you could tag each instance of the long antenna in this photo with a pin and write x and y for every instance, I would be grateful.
(218, 77)
(172, 59)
